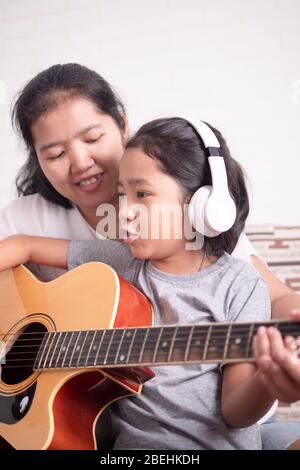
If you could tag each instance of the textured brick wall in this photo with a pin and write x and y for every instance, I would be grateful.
(234, 63)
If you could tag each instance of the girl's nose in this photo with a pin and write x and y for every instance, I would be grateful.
(130, 213)
(126, 210)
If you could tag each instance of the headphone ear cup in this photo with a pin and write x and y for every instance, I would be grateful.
(197, 211)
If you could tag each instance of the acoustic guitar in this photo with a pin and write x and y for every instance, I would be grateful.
(72, 346)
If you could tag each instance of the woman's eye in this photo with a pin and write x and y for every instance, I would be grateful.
(92, 141)
(57, 156)
(142, 194)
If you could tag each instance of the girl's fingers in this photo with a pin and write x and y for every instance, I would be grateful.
(295, 314)
(277, 347)
(261, 343)
(279, 384)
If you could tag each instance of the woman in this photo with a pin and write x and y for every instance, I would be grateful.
(75, 129)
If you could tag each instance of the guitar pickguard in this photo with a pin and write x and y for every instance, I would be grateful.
(13, 408)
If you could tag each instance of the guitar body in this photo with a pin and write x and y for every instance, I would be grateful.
(58, 409)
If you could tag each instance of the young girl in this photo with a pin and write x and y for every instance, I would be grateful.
(184, 406)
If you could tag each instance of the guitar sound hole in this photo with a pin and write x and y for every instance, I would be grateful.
(20, 358)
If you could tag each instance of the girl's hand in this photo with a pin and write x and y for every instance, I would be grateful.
(278, 362)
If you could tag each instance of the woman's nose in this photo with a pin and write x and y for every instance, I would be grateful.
(80, 161)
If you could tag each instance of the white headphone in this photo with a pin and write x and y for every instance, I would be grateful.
(211, 210)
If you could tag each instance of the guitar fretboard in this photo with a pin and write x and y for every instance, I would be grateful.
(217, 342)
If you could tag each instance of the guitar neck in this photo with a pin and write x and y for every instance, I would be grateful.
(213, 343)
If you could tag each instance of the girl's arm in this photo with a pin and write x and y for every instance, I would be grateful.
(20, 249)
(244, 398)
(247, 392)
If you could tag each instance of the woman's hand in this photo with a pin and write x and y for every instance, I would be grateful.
(21, 249)
(14, 250)
(278, 361)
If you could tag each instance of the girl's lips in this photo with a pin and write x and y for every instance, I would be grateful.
(128, 238)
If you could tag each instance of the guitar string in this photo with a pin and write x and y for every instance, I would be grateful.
(215, 335)
(235, 326)
(99, 357)
(184, 336)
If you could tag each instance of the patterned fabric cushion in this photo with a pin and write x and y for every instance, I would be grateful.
(279, 246)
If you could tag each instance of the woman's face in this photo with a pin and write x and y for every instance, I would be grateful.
(79, 150)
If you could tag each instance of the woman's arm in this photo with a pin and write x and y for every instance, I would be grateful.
(20, 249)
(283, 299)
(244, 398)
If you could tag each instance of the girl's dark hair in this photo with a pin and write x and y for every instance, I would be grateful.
(181, 153)
(45, 91)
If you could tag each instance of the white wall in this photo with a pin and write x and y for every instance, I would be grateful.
(234, 63)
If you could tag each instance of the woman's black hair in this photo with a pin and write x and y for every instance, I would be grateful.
(174, 143)
(45, 91)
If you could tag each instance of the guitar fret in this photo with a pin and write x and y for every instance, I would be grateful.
(187, 349)
(172, 343)
(114, 346)
(99, 347)
(58, 353)
(157, 343)
(90, 349)
(179, 341)
(104, 349)
(77, 335)
(66, 346)
(227, 341)
(120, 358)
(45, 361)
(57, 340)
(81, 348)
(198, 343)
(123, 350)
(131, 344)
(60, 348)
(41, 351)
(239, 341)
(51, 350)
(109, 344)
(143, 346)
(95, 348)
(249, 341)
(207, 342)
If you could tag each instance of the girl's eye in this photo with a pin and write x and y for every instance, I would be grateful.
(142, 194)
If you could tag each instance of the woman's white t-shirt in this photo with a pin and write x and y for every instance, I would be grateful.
(33, 215)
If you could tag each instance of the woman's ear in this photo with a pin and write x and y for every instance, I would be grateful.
(125, 131)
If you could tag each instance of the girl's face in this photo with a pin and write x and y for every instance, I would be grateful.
(151, 209)
(79, 150)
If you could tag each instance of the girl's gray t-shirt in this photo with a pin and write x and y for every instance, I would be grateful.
(180, 407)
